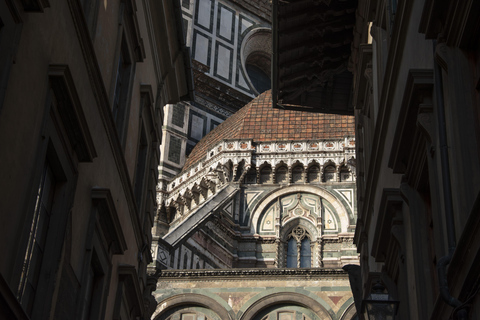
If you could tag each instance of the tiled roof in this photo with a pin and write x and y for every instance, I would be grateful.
(260, 122)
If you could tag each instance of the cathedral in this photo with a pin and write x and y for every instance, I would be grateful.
(250, 197)
(258, 199)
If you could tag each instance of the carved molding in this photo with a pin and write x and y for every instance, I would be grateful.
(242, 273)
(108, 218)
(390, 203)
(71, 112)
(418, 91)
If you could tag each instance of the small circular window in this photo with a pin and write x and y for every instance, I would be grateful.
(256, 55)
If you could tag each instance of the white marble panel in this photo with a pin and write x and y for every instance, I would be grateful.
(241, 80)
(204, 13)
(226, 21)
(224, 56)
(245, 25)
(197, 127)
(201, 48)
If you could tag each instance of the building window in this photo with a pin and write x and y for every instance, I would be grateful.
(95, 284)
(314, 174)
(292, 253)
(329, 173)
(103, 224)
(122, 89)
(299, 252)
(128, 299)
(174, 149)
(259, 78)
(256, 59)
(178, 115)
(37, 239)
(266, 174)
(297, 174)
(251, 176)
(282, 174)
(345, 174)
(305, 253)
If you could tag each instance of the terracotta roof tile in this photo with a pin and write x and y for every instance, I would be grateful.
(260, 122)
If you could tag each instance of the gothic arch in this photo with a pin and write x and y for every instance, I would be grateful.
(269, 298)
(193, 299)
(298, 172)
(266, 201)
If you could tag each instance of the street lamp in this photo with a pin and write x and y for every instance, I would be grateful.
(378, 305)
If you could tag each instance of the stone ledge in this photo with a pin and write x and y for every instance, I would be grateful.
(242, 273)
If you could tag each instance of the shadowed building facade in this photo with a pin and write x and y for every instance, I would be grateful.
(82, 90)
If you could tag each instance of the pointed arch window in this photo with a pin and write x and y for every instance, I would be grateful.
(299, 250)
(297, 174)
(314, 174)
(266, 175)
(345, 174)
(281, 175)
(251, 176)
(292, 253)
(305, 253)
(329, 173)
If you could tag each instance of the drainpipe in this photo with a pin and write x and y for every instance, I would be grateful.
(462, 312)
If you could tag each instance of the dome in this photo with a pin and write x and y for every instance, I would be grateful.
(260, 122)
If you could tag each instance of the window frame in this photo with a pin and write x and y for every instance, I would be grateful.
(64, 141)
(130, 47)
(59, 154)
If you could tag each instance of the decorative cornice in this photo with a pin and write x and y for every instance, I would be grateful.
(321, 151)
(204, 274)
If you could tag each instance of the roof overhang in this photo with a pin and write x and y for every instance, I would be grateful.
(311, 51)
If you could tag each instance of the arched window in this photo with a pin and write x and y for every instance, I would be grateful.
(305, 253)
(281, 175)
(266, 174)
(345, 174)
(299, 252)
(256, 59)
(251, 176)
(314, 174)
(292, 253)
(329, 173)
(297, 174)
